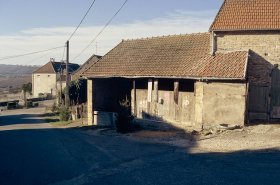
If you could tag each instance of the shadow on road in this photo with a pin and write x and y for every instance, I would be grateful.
(46, 155)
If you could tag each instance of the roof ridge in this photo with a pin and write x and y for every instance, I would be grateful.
(165, 36)
(232, 51)
(53, 67)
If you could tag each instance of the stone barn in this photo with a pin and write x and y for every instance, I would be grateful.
(172, 79)
(253, 25)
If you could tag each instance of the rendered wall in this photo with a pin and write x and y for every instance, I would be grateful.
(224, 103)
(43, 83)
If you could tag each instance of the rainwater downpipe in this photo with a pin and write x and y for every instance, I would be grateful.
(213, 44)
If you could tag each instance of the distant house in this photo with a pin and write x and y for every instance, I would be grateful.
(46, 80)
(77, 74)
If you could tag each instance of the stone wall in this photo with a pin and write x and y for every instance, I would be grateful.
(264, 49)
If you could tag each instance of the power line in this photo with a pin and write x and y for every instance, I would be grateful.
(42, 56)
(15, 56)
(101, 30)
(81, 21)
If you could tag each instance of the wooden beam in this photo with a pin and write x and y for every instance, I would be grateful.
(150, 88)
(134, 98)
(155, 94)
(176, 91)
(90, 91)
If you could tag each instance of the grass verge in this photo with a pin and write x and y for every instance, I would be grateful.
(54, 119)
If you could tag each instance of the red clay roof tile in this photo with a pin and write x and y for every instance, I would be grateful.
(172, 56)
(248, 14)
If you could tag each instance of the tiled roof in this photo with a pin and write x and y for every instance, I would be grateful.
(226, 65)
(55, 67)
(171, 56)
(83, 67)
(248, 15)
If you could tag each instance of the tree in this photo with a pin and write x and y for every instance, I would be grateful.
(26, 87)
(78, 90)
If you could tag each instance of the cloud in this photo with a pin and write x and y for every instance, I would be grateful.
(36, 39)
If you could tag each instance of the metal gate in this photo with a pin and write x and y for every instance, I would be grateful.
(258, 102)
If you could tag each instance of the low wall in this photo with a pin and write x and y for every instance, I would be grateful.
(101, 118)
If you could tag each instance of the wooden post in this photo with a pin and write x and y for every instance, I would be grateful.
(155, 97)
(176, 91)
(90, 101)
(150, 87)
(61, 73)
(134, 98)
(67, 80)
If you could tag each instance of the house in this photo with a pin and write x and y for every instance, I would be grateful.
(46, 80)
(77, 74)
(228, 75)
(253, 25)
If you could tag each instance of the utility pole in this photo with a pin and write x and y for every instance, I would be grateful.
(67, 78)
(61, 73)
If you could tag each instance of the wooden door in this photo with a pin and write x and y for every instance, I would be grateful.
(275, 94)
(258, 102)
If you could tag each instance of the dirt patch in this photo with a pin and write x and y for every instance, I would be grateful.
(238, 140)
(148, 133)
(244, 139)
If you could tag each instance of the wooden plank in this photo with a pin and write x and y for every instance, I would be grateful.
(275, 93)
(257, 115)
(258, 99)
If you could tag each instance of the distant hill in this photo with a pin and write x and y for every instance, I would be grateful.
(16, 70)
(13, 81)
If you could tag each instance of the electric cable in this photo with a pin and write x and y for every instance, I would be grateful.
(15, 56)
(101, 30)
(42, 56)
(81, 21)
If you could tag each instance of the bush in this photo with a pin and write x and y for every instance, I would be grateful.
(64, 114)
(124, 119)
(54, 108)
(41, 94)
(29, 104)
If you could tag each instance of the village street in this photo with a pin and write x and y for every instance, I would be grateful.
(34, 152)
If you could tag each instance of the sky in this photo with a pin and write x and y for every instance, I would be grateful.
(29, 26)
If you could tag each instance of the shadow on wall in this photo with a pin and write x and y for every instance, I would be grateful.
(150, 122)
(264, 88)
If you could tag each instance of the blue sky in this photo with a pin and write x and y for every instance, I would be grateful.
(30, 25)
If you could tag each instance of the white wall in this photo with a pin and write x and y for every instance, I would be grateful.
(43, 83)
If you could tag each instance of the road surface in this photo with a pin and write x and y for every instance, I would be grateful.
(34, 152)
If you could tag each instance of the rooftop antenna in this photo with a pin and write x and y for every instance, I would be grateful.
(95, 47)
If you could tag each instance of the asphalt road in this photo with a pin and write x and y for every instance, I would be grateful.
(34, 152)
